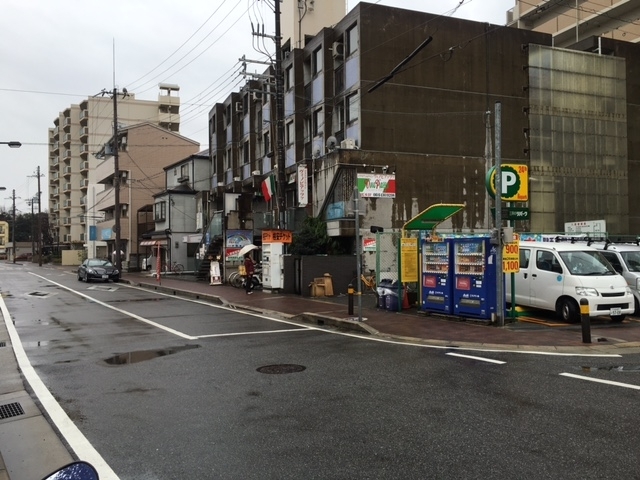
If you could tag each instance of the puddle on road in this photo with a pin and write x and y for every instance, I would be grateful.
(143, 355)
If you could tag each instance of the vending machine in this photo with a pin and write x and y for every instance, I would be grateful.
(474, 283)
(437, 281)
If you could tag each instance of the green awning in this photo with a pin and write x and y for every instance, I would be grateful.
(432, 216)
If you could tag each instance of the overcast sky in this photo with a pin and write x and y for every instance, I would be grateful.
(57, 53)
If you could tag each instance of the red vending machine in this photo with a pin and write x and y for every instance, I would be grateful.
(474, 286)
(437, 280)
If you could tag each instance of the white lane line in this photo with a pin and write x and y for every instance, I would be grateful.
(489, 360)
(251, 333)
(72, 435)
(598, 380)
(119, 310)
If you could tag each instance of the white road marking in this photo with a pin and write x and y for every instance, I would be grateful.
(489, 360)
(598, 380)
(72, 435)
(251, 333)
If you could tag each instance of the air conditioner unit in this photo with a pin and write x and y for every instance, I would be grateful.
(239, 107)
(348, 144)
(221, 184)
(255, 172)
(256, 96)
(236, 179)
(338, 50)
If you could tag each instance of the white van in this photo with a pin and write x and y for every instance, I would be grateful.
(625, 259)
(556, 276)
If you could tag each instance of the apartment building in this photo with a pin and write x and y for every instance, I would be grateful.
(571, 21)
(4, 238)
(78, 133)
(144, 151)
(566, 115)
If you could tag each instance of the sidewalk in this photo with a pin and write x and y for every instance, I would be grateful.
(409, 325)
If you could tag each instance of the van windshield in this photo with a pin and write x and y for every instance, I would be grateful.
(587, 263)
(632, 259)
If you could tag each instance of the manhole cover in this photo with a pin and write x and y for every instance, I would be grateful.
(279, 369)
(103, 288)
(39, 294)
(9, 410)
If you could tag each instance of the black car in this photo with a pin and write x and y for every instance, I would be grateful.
(98, 269)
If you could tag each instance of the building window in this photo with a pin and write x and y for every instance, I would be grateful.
(245, 153)
(290, 133)
(316, 122)
(352, 40)
(316, 61)
(227, 159)
(353, 107)
(267, 143)
(288, 78)
(184, 173)
(160, 211)
(338, 118)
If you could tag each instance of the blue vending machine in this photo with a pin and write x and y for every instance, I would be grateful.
(474, 283)
(437, 281)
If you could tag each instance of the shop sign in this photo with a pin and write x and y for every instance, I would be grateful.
(511, 255)
(277, 236)
(369, 244)
(514, 183)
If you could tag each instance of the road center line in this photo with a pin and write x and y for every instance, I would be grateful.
(599, 380)
(488, 360)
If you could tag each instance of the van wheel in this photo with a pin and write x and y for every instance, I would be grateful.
(568, 310)
(617, 318)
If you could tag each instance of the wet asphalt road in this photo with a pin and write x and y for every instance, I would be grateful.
(166, 388)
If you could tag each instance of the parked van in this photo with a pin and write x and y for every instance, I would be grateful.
(556, 276)
(625, 259)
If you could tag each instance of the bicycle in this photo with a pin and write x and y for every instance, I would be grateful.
(368, 284)
(175, 267)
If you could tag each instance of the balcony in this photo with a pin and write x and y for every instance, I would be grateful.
(56, 132)
(67, 154)
(67, 204)
(84, 117)
(66, 221)
(84, 166)
(84, 183)
(55, 147)
(67, 140)
(83, 200)
(66, 187)
(84, 133)
(56, 207)
(55, 176)
(55, 192)
(84, 149)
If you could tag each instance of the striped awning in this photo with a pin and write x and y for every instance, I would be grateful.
(149, 243)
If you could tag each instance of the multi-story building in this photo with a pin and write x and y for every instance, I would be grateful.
(566, 115)
(80, 131)
(4, 238)
(144, 150)
(571, 21)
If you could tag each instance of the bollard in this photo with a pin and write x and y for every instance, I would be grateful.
(350, 293)
(585, 320)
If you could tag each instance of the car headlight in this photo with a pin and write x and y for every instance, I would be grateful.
(629, 290)
(116, 272)
(637, 283)
(586, 292)
(91, 270)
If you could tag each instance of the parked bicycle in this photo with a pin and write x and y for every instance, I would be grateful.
(368, 284)
(238, 279)
(174, 267)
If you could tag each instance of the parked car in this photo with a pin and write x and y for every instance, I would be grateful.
(98, 269)
(556, 276)
(25, 256)
(625, 259)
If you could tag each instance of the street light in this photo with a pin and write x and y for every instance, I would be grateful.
(12, 144)
(3, 188)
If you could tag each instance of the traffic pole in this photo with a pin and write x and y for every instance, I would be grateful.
(585, 320)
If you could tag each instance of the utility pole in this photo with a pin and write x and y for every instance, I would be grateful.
(279, 121)
(39, 226)
(116, 180)
(13, 236)
(33, 233)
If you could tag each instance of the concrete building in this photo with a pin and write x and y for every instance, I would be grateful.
(571, 21)
(144, 150)
(569, 116)
(4, 239)
(80, 131)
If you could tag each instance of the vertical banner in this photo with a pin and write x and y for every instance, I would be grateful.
(409, 252)
(303, 187)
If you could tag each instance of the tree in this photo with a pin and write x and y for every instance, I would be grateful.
(313, 239)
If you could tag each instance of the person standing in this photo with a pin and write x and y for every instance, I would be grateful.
(249, 270)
